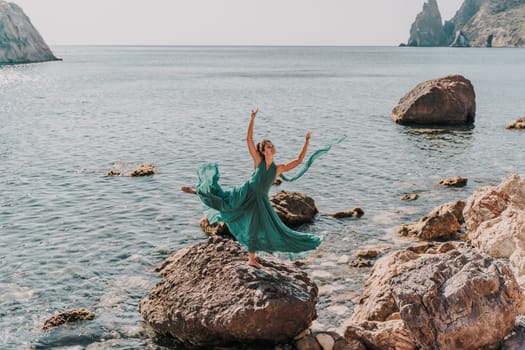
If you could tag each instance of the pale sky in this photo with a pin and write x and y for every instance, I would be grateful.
(227, 22)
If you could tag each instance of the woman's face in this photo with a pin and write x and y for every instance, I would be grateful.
(269, 149)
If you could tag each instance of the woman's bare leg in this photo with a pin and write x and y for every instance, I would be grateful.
(252, 261)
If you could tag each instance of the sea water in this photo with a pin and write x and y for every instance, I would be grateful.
(71, 237)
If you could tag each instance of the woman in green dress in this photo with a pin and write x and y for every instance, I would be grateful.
(247, 210)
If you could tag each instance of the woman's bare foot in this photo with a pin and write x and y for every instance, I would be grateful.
(252, 261)
(188, 189)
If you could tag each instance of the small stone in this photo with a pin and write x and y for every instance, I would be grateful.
(456, 181)
(308, 343)
(325, 340)
(517, 124)
(409, 197)
(361, 263)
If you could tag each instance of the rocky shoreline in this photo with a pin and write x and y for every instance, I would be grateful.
(429, 295)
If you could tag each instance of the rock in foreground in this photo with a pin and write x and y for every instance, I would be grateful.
(444, 222)
(444, 101)
(20, 42)
(208, 296)
(448, 296)
(495, 219)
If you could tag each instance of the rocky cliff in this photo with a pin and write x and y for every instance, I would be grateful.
(20, 42)
(478, 23)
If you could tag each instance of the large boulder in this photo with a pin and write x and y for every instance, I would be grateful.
(20, 42)
(495, 220)
(444, 101)
(209, 295)
(294, 208)
(448, 296)
(427, 30)
(444, 222)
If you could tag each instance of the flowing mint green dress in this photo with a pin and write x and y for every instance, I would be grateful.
(247, 210)
(248, 213)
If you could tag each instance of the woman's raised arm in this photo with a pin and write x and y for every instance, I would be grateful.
(281, 168)
(249, 139)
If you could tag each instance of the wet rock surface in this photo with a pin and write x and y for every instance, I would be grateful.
(456, 181)
(293, 208)
(495, 220)
(517, 124)
(132, 169)
(436, 296)
(444, 101)
(444, 222)
(210, 296)
(68, 316)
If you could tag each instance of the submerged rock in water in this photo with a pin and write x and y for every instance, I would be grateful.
(293, 208)
(517, 124)
(352, 213)
(68, 316)
(20, 42)
(444, 101)
(132, 169)
(209, 295)
(440, 296)
(456, 181)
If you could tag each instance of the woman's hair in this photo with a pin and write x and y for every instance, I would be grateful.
(260, 147)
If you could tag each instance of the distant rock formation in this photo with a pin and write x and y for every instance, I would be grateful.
(444, 101)
(427, 30)
(20, 42)
(477, 23)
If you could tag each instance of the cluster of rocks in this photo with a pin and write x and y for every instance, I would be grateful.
(477, 23)
(20, 42)
(132, 169)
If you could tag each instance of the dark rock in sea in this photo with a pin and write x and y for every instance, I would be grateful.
(352, 213)
(217, 228)
(20, 42)
(293, 208)
(444, 101)
(444, 222)
(456, 181)
(427, 30)
(409, 197)
(517, 124)
(436, 296)
(68, 316)
(209, 296)
(132, 169)
(477, 23)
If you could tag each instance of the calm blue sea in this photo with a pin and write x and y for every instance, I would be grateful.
(71, 237)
